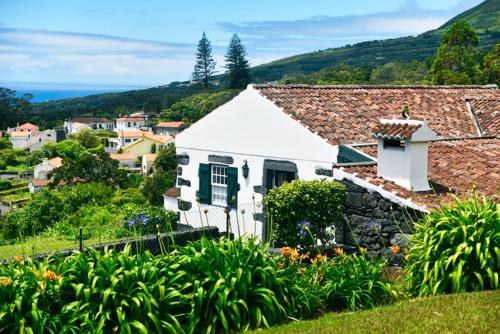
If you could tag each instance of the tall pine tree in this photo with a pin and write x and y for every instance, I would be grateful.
(238, 67)
(456, 61)
(204, 67)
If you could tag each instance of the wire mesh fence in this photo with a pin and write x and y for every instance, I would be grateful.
(143, 233)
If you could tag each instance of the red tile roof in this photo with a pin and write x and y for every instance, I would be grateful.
(40, 183)
(27, 126)
(169, 124)
(91, 120)
(487, 112)
(347, 114)
(395, 130)
(172, 192)
(130, 119)
(454, 165)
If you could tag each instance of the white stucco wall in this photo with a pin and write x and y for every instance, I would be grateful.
(251, 128)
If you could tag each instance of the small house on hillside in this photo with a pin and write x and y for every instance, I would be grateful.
(26, 127)
(271, 134)
(130, 123)
(147, 143)
(147, 163)
(125, 138)
(32, 140)
(125, 160)
(75, 124)
(169, 128)
(42, 170)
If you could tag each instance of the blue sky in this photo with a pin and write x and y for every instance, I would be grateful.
(152, 42)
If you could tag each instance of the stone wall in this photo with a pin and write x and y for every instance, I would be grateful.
(375, 223)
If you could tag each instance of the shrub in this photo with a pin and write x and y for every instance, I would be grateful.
(3, 164)
(345, 282)
(150, 219)
(5, 184)
(456, 248)
(9, 155)
(300, 208)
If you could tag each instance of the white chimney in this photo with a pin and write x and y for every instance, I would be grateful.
(402, 156)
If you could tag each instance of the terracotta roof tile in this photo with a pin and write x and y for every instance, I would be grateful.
(395, 130)
(172, 192)
(169, 124)
(130, 119)
(40, 183)
(122, 156)
(27, 126)
(454, 165)
(346, 114)
(487, 112)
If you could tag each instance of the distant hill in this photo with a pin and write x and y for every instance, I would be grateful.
(485, 18)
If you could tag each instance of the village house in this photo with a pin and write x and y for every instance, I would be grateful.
(130, 123)
(147, 163)
(169, 128)
(74, 125)
(147, 143)
(32, 140)
(125, 160)
(42, 170)
(125, 138)
(271, 134)
(26, 127)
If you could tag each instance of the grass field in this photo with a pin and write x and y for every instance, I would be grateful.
(459, 313)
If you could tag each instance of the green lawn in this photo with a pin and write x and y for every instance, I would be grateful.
(459, 313)
(45, 245)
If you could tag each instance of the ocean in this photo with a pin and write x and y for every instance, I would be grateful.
(43, 95)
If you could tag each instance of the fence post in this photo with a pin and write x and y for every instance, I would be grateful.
(81, 239)
(228, 221)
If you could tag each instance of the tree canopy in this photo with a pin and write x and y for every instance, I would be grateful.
(204, 67)
(457, 59)
(238, 67)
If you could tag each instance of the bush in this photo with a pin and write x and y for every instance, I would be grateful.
(345, 282)
(3, 164)
(301, 209)
(9, 155)
(456, 249)
(149, 220)
(5, 184)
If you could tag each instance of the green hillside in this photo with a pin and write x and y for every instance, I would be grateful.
(485, 18)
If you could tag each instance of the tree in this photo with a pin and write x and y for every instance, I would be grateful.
(456, 59)
(166, 160)
(491, 66)
(156, 185)
(204, 67)
(238, 67)
(5, 143)
(87, 138)
(13, 109)
(88, 167)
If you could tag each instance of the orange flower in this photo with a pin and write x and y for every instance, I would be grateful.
(49, 275)
(294, 254)
(306, 256)
(340, 252)
(395, 249)
(285, 251)
(362, 250)
(280, 264)
(18, 258)
(5, 281)
(321, 257)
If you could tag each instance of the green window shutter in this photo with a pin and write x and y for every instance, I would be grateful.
(204, 188)
(232, 186)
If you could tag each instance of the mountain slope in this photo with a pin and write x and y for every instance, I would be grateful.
(485, 18)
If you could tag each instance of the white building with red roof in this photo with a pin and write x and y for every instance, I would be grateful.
(130, 123)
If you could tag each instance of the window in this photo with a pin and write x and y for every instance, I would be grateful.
(219, 185)
(128, 124)
(127, 140)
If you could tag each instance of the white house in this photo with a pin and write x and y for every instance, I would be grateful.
(130, 123)
(270, 134)
(147, 163)
(126, 137)
(42, 170)
(75, 127)
(169, 128)
(26, 127)
(32, 140)
(76, 124)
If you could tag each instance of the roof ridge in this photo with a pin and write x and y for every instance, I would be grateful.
(292, 86)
